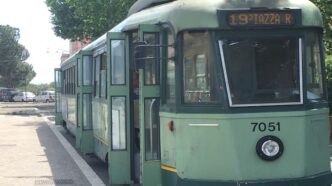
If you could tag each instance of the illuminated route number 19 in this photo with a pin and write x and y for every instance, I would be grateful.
(262, 127)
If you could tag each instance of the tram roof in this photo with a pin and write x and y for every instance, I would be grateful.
(187, 14)
(202, 14)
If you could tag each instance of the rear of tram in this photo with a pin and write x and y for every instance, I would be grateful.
(260, 85)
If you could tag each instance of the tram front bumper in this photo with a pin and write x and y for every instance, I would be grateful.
(323, 179)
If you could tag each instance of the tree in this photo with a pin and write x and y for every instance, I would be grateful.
(12, 56)
(325, 7)
(84, 19)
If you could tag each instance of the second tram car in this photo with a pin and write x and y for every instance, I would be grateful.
(203, 92)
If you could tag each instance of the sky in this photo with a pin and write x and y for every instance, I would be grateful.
(33, 19)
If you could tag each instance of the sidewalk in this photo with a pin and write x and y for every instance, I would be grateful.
(31, 154)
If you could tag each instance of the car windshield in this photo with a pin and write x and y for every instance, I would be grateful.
(262, 71)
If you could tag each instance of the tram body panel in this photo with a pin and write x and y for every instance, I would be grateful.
(69, 112)
(224, 147)
(100, 128)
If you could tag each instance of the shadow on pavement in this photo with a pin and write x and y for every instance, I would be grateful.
(64, 169)
(100, 168)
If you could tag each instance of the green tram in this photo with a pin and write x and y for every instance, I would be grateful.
(203, 93)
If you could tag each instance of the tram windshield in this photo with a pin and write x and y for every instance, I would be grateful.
(262, 71)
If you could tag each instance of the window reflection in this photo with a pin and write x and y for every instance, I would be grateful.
(118, 123)
(118, 61)
(265, 72)
(314, 70)
(198, 69)
(151, 64)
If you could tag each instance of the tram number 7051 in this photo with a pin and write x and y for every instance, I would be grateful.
(262, 127)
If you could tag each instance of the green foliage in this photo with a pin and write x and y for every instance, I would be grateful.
(84, 19)
(13, 70)
(325, 7)
(328, 65)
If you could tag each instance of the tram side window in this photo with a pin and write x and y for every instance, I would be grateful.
(87, 72)
(63, 83)
(66, 82)
(79, 72)
(69, 81)
(100, 76)
(74, 81)
(103, 76)
(96, 77)
(198, 69)
(58, 79)
(314, 68)
(69, 78)
(170, 84)
(119, 123)
(151, 65)
(118, 62)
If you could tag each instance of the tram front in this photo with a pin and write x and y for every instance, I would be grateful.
(258, 85)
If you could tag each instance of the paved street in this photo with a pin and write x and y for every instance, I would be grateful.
(32, 152)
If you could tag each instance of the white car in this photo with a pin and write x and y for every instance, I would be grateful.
(45, 96)
(25, 96)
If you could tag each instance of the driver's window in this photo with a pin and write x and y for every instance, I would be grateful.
(314, 68)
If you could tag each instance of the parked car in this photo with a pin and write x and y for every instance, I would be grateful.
(4, 93)
(25, 96)
(45, 96)
(9, 95)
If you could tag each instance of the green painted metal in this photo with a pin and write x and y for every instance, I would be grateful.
(150, 170)
(79, 115)
(87, 142)
(84, 138)
(57, 82)
(58, 118)
(324, 179)
(119, 160)
(195, 14)
(231, 144)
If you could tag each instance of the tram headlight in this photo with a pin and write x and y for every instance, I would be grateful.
(269, 148)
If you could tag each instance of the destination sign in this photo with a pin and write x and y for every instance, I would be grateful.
(266, 18)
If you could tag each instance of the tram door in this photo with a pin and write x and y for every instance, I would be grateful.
(58, 88)
(149, 93)
(84, 133)
(119, 156)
